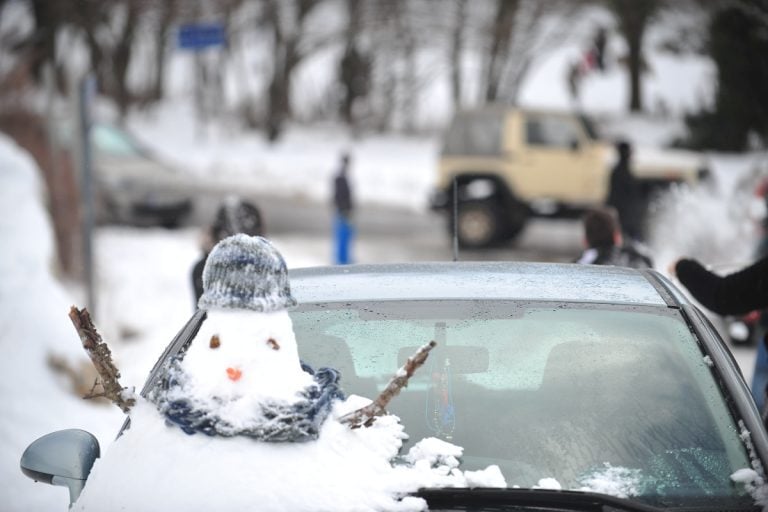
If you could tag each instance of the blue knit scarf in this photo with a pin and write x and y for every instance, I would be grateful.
(278, 422)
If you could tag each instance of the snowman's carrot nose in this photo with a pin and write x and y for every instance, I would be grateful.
(234, 374)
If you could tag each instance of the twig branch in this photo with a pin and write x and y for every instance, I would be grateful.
(365, 415)
(101, 357)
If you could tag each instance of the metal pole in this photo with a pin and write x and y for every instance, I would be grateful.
(455, 213)
(200, 99)
(87, 91)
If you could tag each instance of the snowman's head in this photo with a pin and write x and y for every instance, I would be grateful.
(245, 272)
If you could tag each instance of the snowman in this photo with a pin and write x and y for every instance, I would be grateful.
(241, 375)
(239, 423)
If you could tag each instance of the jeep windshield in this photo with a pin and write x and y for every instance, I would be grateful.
(581, 396)
(476, 133)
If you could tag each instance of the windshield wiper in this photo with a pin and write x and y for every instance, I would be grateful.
(468, 499)
(179, 343)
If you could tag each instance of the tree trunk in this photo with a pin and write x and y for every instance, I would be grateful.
(456, 51)
(47, 20)
(501, 32)
(349, 68)
(633, 17)
(279, 89)
(168, 12)
(517, 82)
(287, 57)
(121, 59)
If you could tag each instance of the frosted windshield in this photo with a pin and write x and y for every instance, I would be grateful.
(570, 393)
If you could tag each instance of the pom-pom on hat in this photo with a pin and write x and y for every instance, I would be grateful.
(245, 272)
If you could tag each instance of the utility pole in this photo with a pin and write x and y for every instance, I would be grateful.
(87, 90)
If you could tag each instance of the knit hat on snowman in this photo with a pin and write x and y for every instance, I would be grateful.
(245, 272)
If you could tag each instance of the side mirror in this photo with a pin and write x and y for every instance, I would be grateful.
(62, 458)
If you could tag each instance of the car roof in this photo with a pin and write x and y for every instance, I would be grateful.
(562, 282)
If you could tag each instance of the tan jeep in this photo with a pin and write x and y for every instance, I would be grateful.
(500, 166)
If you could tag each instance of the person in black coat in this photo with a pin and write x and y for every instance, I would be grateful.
(233, 216)
(342, 194)
(737, 293)
(625, 194)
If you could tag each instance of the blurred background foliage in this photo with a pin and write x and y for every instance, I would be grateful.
(383, 55)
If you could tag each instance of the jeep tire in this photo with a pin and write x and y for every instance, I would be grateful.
(515, 217)
(479, 224)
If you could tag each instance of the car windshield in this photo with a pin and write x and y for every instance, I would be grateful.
(576, 393)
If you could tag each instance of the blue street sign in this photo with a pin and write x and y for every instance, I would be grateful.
(196, 36)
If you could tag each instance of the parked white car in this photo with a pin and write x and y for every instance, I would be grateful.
(132, 186)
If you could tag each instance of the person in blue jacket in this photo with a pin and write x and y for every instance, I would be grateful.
(343, 206)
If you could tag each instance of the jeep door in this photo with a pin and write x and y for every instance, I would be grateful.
(556, 162)
(473, 145)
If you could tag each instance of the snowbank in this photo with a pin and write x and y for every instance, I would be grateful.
(34, 321)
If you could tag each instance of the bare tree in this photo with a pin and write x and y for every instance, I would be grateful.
(410, 39)
(355, 65)
(49, 16)
(286, 19)
(501, 35)
(26, 52)
(633, 18)
(508, 36)
(165, 13)
(121, 55)
(518, 33)
(109, 27)
(456, 50)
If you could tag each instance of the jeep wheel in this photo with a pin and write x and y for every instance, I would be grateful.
(479, 224)
(516, 219)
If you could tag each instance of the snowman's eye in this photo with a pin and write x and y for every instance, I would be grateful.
(215, 341)
(273, 344)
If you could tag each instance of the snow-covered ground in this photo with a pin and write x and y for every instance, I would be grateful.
(386, 169)
(35, 326)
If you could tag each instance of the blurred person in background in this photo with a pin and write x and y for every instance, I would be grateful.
(343, 205)
(604, 242)
(625, 194)
(233, 216)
